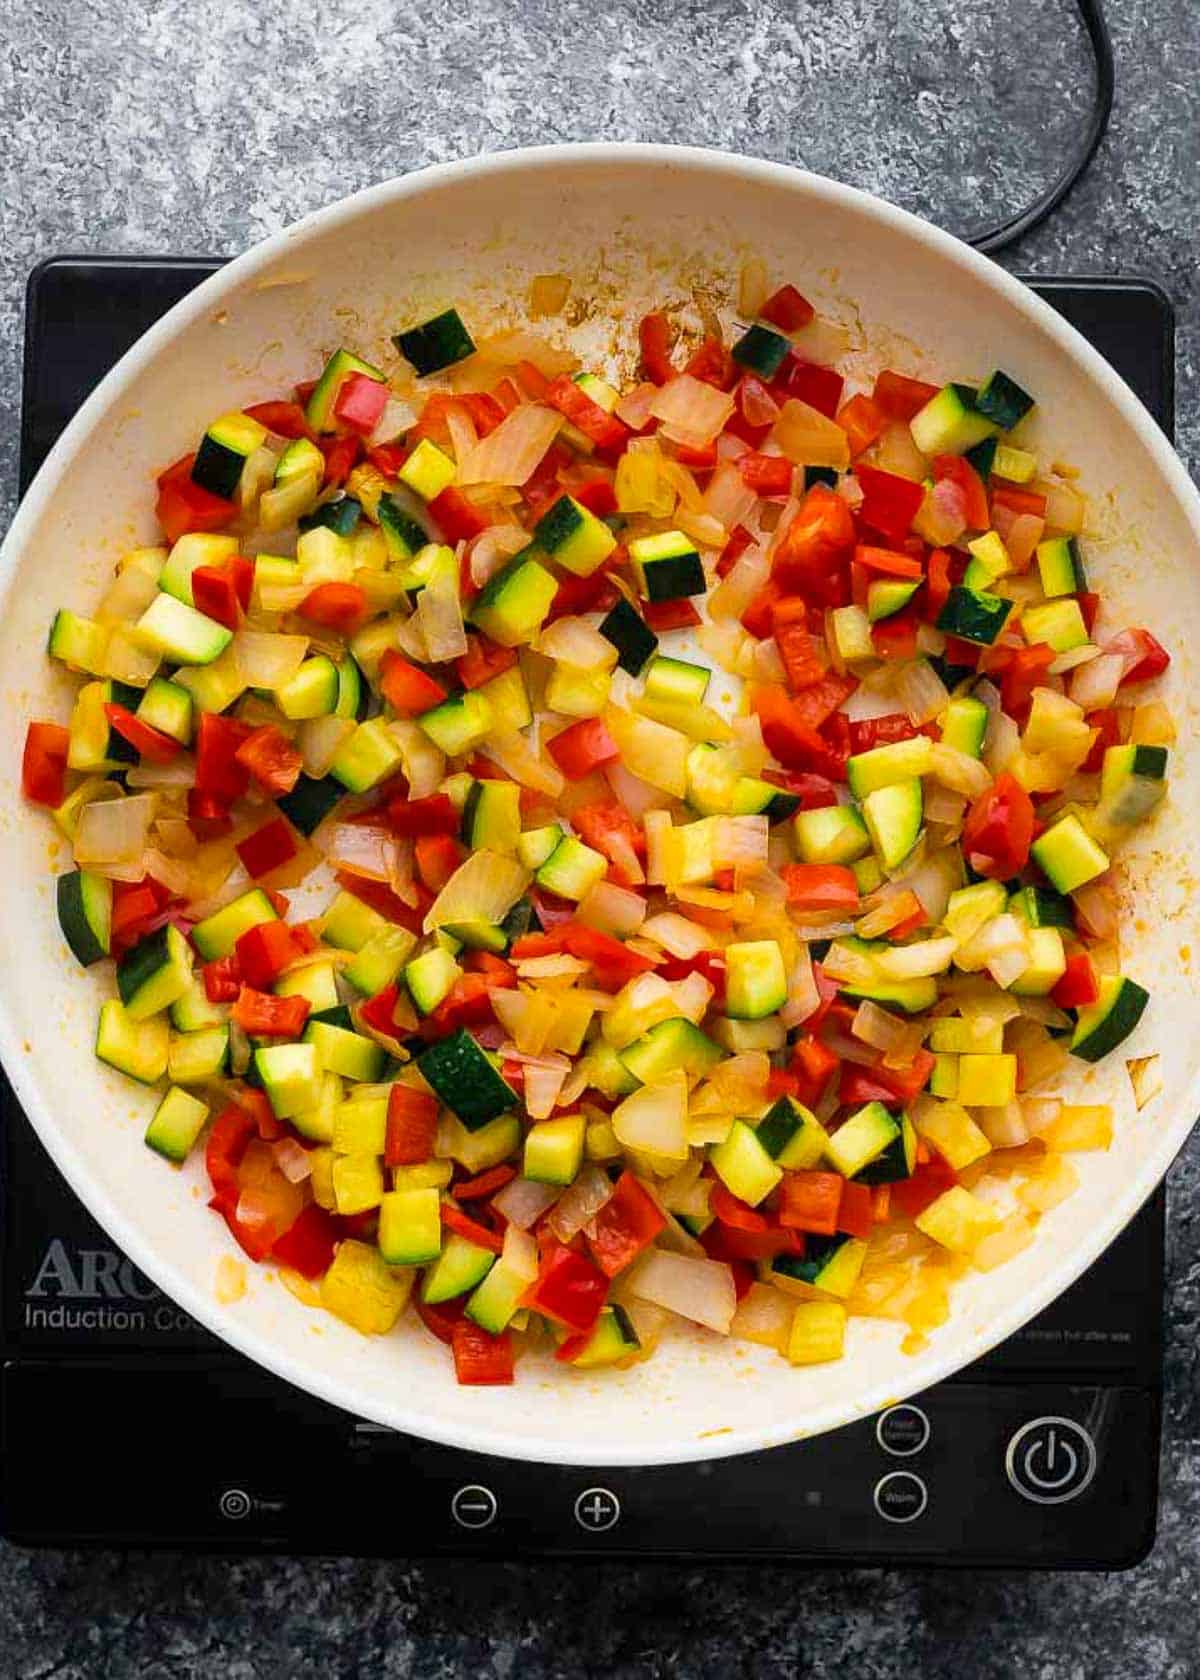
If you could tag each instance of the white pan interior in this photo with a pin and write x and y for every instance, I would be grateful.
(633, 227)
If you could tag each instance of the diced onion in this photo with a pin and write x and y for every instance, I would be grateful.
(940, 874)
(1145, 1075)
(753, 288)
(127, 596)
(580, 1203)
(634, 407)
(542, 1087)
(1094, 685)
(483, 889)
(1004, 1126)
(463, 436)
(913, 962)
(576, 641)
(654, 1119)
(493, 548)
(523, 1202)
(727, 498)
(267, 660)
(1065, 508)
(1001, 743)
(898, 453)
(921, 692)
(520, 1253)
(810, 438)
(114, 831)
(424, 764)
(700, 1290)
(179, 773)
(439, 612)
(613, 909)
(803, 998)
(734, 593)
(360, 849)
(959, 771)
(691, 411)
(294, 1162)
(511, 751)
(318, 740)
(1096, 907)
(676, 935)
(511, 453)
(763, 1315)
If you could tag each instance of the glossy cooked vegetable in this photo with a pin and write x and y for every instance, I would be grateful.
(720, 773)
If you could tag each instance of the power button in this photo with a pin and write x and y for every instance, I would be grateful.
(1050, 1460)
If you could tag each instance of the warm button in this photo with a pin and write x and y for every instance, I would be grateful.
(901, 1497)
(1050, 1460)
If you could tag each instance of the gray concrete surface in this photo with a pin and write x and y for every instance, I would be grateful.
(176, 127)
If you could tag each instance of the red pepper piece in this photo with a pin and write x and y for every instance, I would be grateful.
(437, 856)
(483, 660)
(383, 899)
(960, 471)
(999, 830)
(1150, 658)
(582, 747)
(338, 606)
(411, 1127)
(464, 1226)
(215, 594)
(231, 1132)
(670, 615)
(267, 848)
(183, 506)
(379, 1012)
(406, 688)
(627, 1223)
(855, 1213)
(285, 419)
(655, 339)
(360, 403)
(911, 1196)
(218, 770)
(263, 952)
(814, 555)
(435, 814)
(308, 1245)
(457, 515)
(820, 387)
(863, 423)
(809, 1201)
(271, 759)
(341, 457)
(208, 815)
(604, 429)
(820, 886)
(569, 1289)
(481, 1360)
(787, 309)
(44, 763)
(1079, 984)
(263, 1015)
(484, 1184)
(223, 979)
(900, 397)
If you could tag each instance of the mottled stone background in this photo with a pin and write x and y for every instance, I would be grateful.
(176, 127)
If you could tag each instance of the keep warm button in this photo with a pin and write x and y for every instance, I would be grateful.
(1050, 1460)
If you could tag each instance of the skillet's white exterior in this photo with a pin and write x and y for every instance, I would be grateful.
(632, 226)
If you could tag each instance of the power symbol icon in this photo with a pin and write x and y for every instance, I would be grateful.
(1050, 1460)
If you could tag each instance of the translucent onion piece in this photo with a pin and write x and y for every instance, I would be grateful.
(727, 498)
(944, 806)
(942, 518)
(114, 831)
(723, 643)
(920, 691)
(753, 288)
(676, 935)
(1145, 1075)
(691, 410)
(1001, 743)
(734, 593)
(940, 874)
(1004, 1127)
(768, 662)
(809, 438)
(654, 1119)
(483, 889)
(541, 1088)
(693, 994)
(764, 1315)
(913, 962)
(127, 596)
(179, 773)
(1040, 1113)
(424, 764)
(613, 909)
(439, 611)
(463, 436)
(650, 750)
(895, 905)
(359, 849)
(518, 344)
(266, 660)
(803, 998)
(740, 1082)
(409, 637)
(1065, 508)
(318, 740)
(634, 406)
(637, 796)
(1072, 659)
(522, 1202)
(493, 548)
(898, 453)
(704, 530)
(580, 1203)
(396, 419)
(511, 453)
(576, 641)
(881, 1029)
(1008, 965)
(520, 1253)
(293, 1162)
(1094, 685)
(738, 841)
(840, 962)
(959, 771)
(700, 1290)
(1021, 540)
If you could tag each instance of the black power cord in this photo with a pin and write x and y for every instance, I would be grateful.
(1009, 231)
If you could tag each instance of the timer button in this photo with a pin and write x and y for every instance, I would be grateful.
(1050, 1460)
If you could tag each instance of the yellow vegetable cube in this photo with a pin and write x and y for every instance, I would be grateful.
(987, 1081)
(1080, 1128)
(321, 1162)
(958, 1220)
(362, 1291)
(818, 1332)
(428, 470)
(357, 1182)
(952, 1132)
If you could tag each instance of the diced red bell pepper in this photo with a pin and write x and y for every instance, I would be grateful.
(732, 1211)
(360, 403)
(183, 506)
(406, 688)
(223, 979)
(215, 594)
(481, 1360)
(285, 419)
(1109, 725)
(814, 555)
(710, 964)
(758, 617)
(457, 515)
(1149, 658)
(483, 660)
(596, 593)
(741, 1250)
(568, 1289)
(855, 1215)
(959, 651)
(896, 637)
(341, 457)
(608, 828)
(263, 952)
(262, 1014)
(799, 649)
(208, 815)
(338, 606)
(931, 1179)
(866, 733)
(809, 1201)
(485, 409)
(960, 471)
(891, 1086)
(1025, 671)
(435, 814)
(464, 1226)
(308, 1245)
(901, 397)
(218, 769)
(412, 1119)
(441, 1319)
(820, 886)
(999, 830)
(271, 759)
(388, 458)
(656, 339)
(890, 504)
(766, 475)
(814, 1064)
(532, 380)
(936, 593)
(739, 541)
(378, 1013)
(1079, 984)
(44, 763)
(267, 848)
(1019, 500)
(863, 423)
(602, 428)
(820, 700)
(136, 909)
(1089, 607)
(582, 747)
(231, 1132)
(787, 309)
(887, 562)
(813, 791)
(670, 615)
(627, 1223)
(468, 1003)
(613, 964)
(712, 363)
(598, 496)
(437, 856)
(484, 1184)
(820, 387)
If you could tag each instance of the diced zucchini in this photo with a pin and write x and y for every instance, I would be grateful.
(410, 1227)
(968, 908)
(577, 692)
(986, 1081)
(380, 961)
(1060, 566)
(156, 971)
(613, 1340)
(1132, 783)
(792, 1135)
(861, 1139)
(677, 680)
(360, 1126)
(311, 692)
(491, 818)
(979, 1035)
(78, 642)
(349, 923)
(852, 634)
(1039, 907)
(464, 1078)
(427, 471)
(1002, 400)
(340, 516)
(893, 817)
(317, 1123)
(1068, 855)
(964, 725)
(178, 1121)
(367, 757)
(94, 745)
(192, 1012)
(958, 1220)
(214, 687)
(224, 450)
(667, 566)
(818, 1333)
(761, 350)
(460, 1267)
(310, 802)
(1059, 624)
(138, 1048)
(744, 1166)
(217, 934)
(316, 982)
(1102, 1025)
(535, 845)
(180, 633)
(896, 1161)
(973, 615)
(319, 412)
(950, 423)
(632, 637)
(572, 869)
(554, 1150)
(357, 1183)
(290, 1075)
(1047, 963)
(195, 1058)
(755, 979)
(169, 707)
(85, 913)
(828, 1263)
(458, 724)
(435, 344)
(879, 767)
(573, 536)
(345, 1052)
(989, 561)
(668, 1045)
(509, 699)
(430, 977)
(194, 548)
(301, 459)
(887, 596)
(512, 606)
(832, 833)
(943, 1081)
